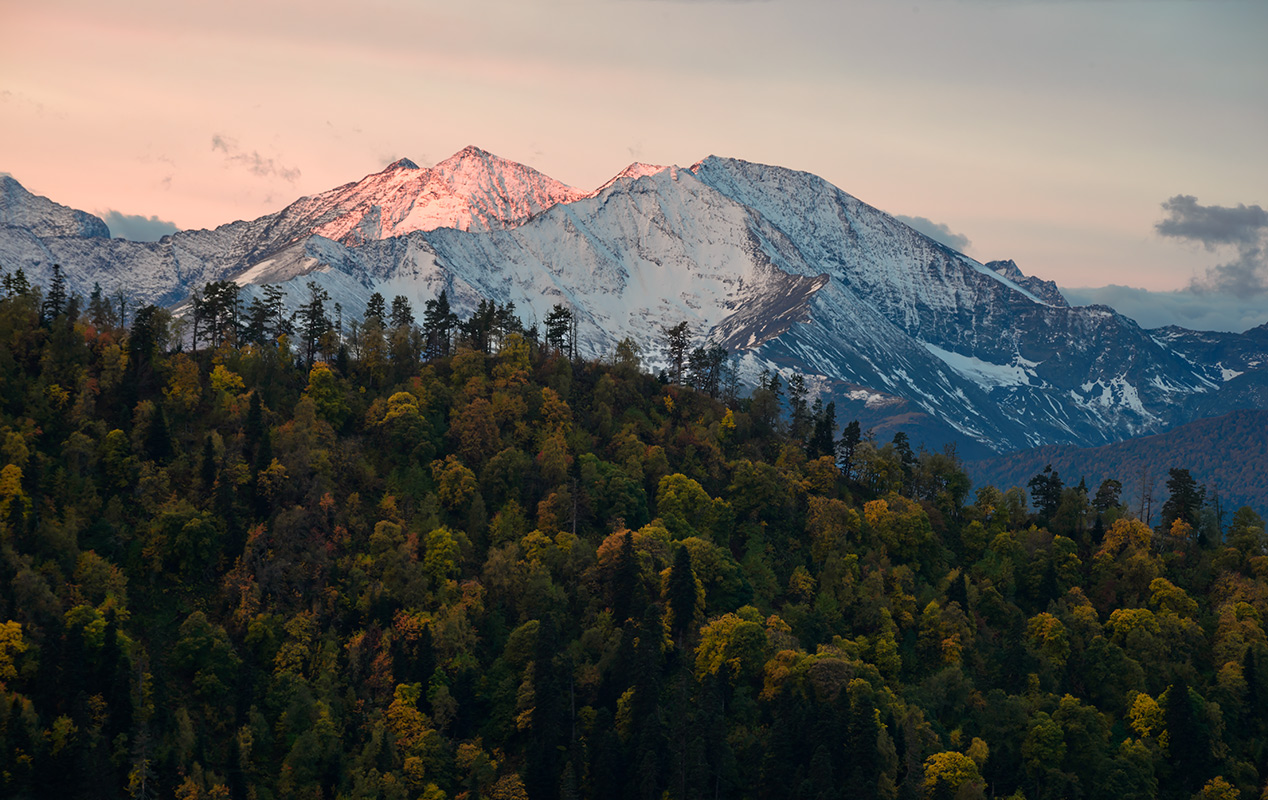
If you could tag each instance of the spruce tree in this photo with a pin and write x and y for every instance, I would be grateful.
(207, 471)
(158, 441)
(625, 583)
(846, 448)
(55, 298)
(682, 593)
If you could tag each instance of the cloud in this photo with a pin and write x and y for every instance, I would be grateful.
(1241, 227)
(936, 231)
(137, 228)
(255, 163)
(1199, 311)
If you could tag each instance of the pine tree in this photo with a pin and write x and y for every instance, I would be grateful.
(625, 583)
(1045, 491)
(682, 593)
(158, 441)
(823, 434)
(375, 310)
(676, 340)
(55, 298)
(1185, 500)
(207, 471)
(402, 312)
(559, 330)
(313, 321)
(438, 325)
(799, 419)
(253, 426)
(99, 311)
(847, 447)
(550, 718)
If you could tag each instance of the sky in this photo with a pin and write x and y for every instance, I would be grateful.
(1114, 146)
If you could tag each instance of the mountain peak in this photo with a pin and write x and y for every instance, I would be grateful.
(20, 208)
(633, 172)
(401, 163)
(1045, 290)
(471, 152)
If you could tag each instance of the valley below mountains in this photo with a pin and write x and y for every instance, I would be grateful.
(780, 267)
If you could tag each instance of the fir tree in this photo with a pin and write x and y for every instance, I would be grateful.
(55, 298)
(682, 593)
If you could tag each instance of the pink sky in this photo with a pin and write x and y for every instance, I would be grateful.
(1046, 132)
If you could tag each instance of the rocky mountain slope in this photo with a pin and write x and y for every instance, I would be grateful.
(777, 265)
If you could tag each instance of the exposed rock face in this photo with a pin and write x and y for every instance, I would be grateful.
(778, 265)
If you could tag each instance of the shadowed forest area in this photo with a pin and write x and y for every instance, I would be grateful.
(253, 555)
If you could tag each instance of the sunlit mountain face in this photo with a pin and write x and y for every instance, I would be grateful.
(781, 268)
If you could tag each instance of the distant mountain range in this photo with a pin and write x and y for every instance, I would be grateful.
(1227, 454)
(777, 265)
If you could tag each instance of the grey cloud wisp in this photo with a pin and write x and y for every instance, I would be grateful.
(936, 231)
(1242, 227)
(255, 163)
(137, 227)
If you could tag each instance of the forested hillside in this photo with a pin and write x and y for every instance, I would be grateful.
(1227, 454)
(447, 559)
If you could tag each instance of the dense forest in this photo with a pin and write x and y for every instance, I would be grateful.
(355, 554)
(1229, 454)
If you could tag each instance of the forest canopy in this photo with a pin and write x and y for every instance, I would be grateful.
(380, 554)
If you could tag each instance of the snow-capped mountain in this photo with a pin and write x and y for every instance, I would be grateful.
(777, 265)
(41, 217)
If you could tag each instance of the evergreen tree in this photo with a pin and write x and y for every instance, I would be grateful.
(682, 593)
(799, 419)
(559, 326)
(676, 340)
(438, 324)
(550, 718)
(1107, 495)
(375, 310)
(16, 284)
(55, 298)
(146, 340)
(158, 441)
(1188, 740)
(207, 471)
(313, 322)
(253, 426)
(823, 435)
(1185, 500)
(1045, 492)
(648, 734)
(99, 311)
(402, 312)
(847, 448)
(625, 583)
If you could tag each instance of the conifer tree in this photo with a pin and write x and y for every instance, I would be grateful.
(682, 593)
(402, 312)
(1184, 502)
(438, 324)
(823, 434)
(676, 340)
(625, 583)
(313, 322)
(1045, 491)
(375, 310)
(55, 298)
(207, 471)
(847, 447)
(158, 441)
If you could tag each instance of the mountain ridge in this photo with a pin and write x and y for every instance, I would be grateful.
(779, 265)
(1227, 453)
